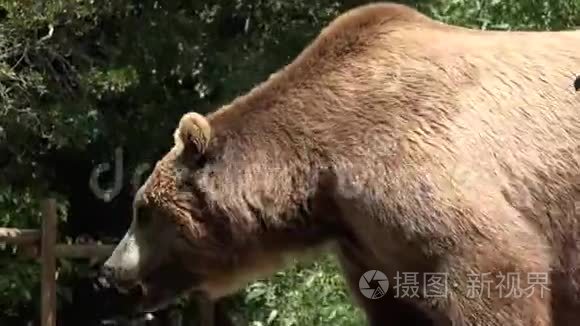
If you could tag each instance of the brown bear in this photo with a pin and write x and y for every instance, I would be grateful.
(444, 158)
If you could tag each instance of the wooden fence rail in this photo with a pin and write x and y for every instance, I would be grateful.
(19, 236)
(44, 241)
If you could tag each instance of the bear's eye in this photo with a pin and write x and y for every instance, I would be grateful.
(144, 216)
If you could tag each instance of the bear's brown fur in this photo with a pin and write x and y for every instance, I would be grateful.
(407, 145)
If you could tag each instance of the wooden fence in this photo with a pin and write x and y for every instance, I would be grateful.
(43, 244)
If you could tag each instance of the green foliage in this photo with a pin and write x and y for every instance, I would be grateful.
(18, 278)
(305, 294)
(18, 285)
(508, 14)
(78, 78)
(19, 282)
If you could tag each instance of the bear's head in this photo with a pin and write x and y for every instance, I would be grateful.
(171, 244)
(210, 218)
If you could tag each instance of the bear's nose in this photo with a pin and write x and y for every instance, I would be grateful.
(109, 277)
(106, 276)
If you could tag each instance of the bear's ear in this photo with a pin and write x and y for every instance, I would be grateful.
(193, 133)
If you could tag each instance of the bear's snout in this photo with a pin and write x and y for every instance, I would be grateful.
(106, 276)
(121, 269)
(115, 276)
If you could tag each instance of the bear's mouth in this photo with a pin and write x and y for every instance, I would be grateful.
(161, 288)
(150, 299)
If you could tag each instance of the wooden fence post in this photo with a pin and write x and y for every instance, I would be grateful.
(206, 311)
(48, 260)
